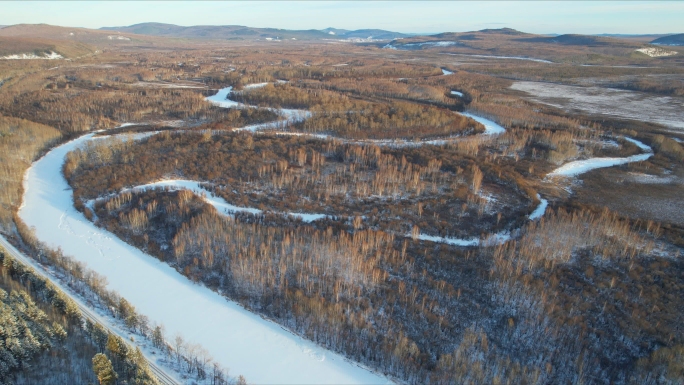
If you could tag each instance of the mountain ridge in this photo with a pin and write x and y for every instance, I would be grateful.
(244, 32)
(677, 39)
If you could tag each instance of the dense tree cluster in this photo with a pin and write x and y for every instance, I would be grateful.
(43, 337)
(341, 116)
(393, 189)
(20, 142)
(376, 286)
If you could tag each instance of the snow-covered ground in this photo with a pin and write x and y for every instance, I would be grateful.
(22, 56)
(118, 37)
(501, 57)
(243, 342)
(460, 94)
(581, 166)
(656, 52)
(446, 72)
(665, 110)
(256, 85)
(638, 177)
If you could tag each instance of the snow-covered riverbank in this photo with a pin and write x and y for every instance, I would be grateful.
(219, 203)
(244, 342)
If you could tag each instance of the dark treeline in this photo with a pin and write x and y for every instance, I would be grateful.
(43, 338)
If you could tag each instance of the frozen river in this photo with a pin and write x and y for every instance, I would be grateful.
(242, 341)
(261, 350)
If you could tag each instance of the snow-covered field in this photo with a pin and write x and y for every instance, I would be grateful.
(23, 56)
(665, 110)
(118, 37)
(245, 343)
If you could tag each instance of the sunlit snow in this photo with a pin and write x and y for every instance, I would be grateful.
(23, 56)
(245, 343)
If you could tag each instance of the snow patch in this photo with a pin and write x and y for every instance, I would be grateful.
(656, 52)
(255, 85)
(459, 94)
(638, 177)
(25, 56)
(116, 37)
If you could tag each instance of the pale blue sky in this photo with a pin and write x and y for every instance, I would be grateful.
(636, 17)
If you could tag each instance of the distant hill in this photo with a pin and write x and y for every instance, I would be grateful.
(376, 34)
(41, 47)
(335, 31)
(670, 40)
(580, 40)
(76, 35)
(633, 37)
(70, 41)
(447, 39)
(503, 31)
(239, 32)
